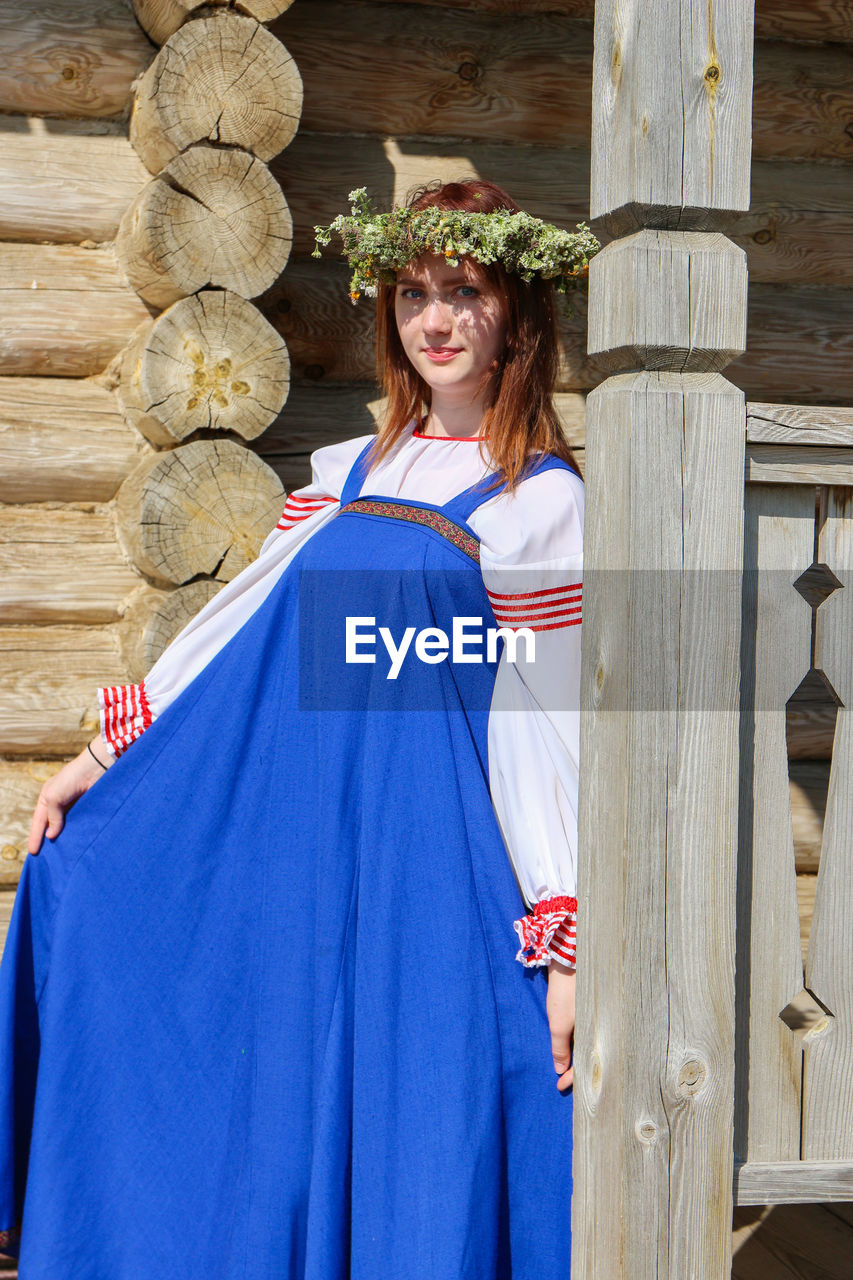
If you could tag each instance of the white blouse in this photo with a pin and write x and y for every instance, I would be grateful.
(531, 561)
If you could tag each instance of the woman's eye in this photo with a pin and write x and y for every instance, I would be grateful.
(413, 293)
(467, 291)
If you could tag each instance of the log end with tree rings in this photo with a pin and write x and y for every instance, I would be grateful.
(219, 79)
(212, 217)
(211, 362)
(160, 19)
(204, 508)
(154, 617)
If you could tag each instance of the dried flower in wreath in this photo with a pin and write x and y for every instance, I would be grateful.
(377, 245)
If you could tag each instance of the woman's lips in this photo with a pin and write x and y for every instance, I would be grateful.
(440, 355)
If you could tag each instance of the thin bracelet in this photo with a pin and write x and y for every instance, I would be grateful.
(94, 757)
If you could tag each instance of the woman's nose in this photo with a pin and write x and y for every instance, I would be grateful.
(437, 316)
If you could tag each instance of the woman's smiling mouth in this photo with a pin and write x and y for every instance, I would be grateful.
(441, 354)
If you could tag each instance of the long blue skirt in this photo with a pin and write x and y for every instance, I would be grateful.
(260, 1013)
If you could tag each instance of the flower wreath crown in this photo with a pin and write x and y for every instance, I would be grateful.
(379, 244)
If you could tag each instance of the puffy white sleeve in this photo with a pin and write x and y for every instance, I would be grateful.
(128, 710)
(531, 556)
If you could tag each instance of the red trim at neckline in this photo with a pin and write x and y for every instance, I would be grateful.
(420, 436)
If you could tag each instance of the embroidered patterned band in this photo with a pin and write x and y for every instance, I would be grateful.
(419, 515)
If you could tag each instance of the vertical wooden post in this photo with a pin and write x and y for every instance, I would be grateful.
(672, 87)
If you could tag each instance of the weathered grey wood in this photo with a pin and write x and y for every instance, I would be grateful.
(212, 217)
(49, 678)
(806, 464)
(222, 79)
(828, 1066)
(203, 508)
(658, 801)
(64, 310)
(798, 424)
(667, 148)
(688, 301)
(20, 783)
(160, 18)
(62, 439)
(210, 362)
(793, 1181)
(61, 564)
(776, 651)
(61, 59)
(70, 180)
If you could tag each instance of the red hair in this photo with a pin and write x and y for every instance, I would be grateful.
(520, 419)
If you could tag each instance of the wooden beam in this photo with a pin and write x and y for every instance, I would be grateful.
(62, 440)
(212, 217)
(526, 78)
(774, 19)
(222, 79)
(798, 424)
(61, 60)
(797, 230)
(658, 808)
(160, 18)
(49, 678)
(203, 508)
(61, 564)
(806, 464)
(211, 362)
(70, 180)
(793, 1181)
(64, 310)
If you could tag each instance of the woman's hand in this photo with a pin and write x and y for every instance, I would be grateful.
(560, 1006)
(60, 792)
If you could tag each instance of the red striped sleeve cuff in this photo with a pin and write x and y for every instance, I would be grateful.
(125, 715)
(299, 508)
(548, 932)
(546, 610)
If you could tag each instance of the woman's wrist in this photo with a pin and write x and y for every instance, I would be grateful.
(97, 750)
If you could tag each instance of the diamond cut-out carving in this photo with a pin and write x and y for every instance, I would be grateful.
(806, 1015)
(815, 687)
(817, 584)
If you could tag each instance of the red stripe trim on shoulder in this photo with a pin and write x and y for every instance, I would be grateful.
(530, 595)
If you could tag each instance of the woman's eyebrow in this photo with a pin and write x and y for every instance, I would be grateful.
(410, 280)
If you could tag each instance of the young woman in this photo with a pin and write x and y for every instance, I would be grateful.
(261, 1007)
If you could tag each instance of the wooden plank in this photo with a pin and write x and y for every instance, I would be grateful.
(62, 564)
(774, 19)
(526, 78)
(318, 413)
(791, 1242)
(48, 687)
(62, 59)
(798, 226)
(64, 310)
(799, 340)
(808, 789)
(799, 345)
(65, 180)
(806, 464)
(799, 424)
(793, 1181)
(62, 439)
(828, 1065)
(776, 653)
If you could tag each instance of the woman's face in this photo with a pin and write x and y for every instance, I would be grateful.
(451, 325)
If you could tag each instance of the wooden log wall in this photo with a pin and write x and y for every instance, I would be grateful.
(403, 93)
(132, 240)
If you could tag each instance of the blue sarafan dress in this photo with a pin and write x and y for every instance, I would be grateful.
(260, 1015)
